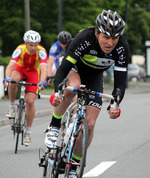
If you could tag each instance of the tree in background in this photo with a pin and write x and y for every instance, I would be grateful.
(11, 25)
(138, 25)
(76, 16)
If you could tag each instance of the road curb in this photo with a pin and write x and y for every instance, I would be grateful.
(38, 114)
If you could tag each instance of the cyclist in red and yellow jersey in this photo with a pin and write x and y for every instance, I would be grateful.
(29, 60)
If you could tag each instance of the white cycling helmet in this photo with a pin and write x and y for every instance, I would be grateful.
(32, 37)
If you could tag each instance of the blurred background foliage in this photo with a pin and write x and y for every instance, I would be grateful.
(77, 14)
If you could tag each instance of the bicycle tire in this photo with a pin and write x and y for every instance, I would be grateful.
(84, 132)
(21, 103)
(23, 126)
(48, 171)
(59, 165)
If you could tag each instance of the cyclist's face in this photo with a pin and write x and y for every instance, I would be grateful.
(107, 43)
(63, 46)
(32, 47)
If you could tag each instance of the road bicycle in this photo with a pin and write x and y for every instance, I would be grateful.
(19, 122)
(73, 126)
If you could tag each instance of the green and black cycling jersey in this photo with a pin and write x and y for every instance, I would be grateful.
(84, 52)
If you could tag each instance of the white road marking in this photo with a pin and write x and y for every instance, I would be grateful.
(99, 169)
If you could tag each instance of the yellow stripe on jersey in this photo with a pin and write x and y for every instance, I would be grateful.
(72, 60)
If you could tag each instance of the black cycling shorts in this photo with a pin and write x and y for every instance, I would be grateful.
(93, 81)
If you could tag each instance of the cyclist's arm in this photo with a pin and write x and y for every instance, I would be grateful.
(62, 72)
(8, 71)
(50, 64)
(120, 68)
(120, 82)
(10, 68)
(43, 68)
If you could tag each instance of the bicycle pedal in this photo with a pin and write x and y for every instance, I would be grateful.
(11, 118)
(41, 165)
(12, 127)
(41, 162)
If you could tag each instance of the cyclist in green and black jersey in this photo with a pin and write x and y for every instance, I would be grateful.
(91, 52)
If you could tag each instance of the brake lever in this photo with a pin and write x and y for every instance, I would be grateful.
(39, 91)
(61, 88)
(62, 85)
(117, 98)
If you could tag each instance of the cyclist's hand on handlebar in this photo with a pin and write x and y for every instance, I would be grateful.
(54, 100)
(48, 80)
(42, 84)
(6, 80)
(114, 113)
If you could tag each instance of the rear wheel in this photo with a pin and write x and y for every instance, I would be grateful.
(83, 132)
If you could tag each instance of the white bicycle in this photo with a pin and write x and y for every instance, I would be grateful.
(72, 125)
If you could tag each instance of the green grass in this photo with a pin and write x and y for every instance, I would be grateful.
(49, 89)
(5, 61)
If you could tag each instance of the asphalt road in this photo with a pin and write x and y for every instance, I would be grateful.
(120, 148)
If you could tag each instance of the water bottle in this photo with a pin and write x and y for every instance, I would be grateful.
(68, 133)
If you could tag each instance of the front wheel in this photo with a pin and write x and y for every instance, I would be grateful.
(47, 171)
(18, 124)
(50, 166)
(83, 135)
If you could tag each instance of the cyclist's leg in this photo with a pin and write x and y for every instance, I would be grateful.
(52, 134)
(30, 108)
(93, 109)
(31, 92)
(74, 80)
(12, 91)
(16, 76)
(91, 117)
(94, 105)
(29, 115)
